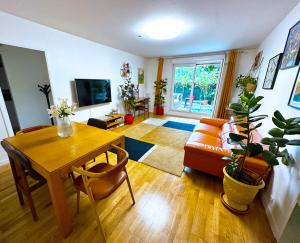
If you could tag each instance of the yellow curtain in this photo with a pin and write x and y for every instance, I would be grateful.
(227, 85)
(159, 73)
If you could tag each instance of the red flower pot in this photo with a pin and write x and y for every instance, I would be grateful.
(128, 119)
(159, 110)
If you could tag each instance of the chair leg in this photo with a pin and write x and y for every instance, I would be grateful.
(78, 201)
(130, 190)
(101, 231)
(106, 155)
(20, 196)
(32, 208)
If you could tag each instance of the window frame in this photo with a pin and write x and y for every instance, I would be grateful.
(194, 63)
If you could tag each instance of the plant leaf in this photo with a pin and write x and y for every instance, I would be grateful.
(278, 123)
(236, 106)
(294, 142)
(279, 116)
(254, 108)
(238, 151)
(254, 149)
(270, 158)
(268, 141)
(293, 131)
(276, 132)
(236, 137)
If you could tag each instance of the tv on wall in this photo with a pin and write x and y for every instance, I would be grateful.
(92, 91)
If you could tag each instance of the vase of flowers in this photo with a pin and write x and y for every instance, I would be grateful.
(62, 112)
(127, 93)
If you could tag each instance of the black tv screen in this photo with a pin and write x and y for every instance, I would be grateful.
(92, 91)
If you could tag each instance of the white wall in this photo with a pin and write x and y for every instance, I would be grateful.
(244, 61)
(25, 69)
(69, 57)
(280, 197)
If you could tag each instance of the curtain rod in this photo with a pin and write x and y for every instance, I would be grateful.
(203, 54)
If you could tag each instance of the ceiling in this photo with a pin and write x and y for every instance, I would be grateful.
(211, 25)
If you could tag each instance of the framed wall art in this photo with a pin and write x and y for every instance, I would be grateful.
(291, 55)
(272, 71)
(295, 95)
(141, 76)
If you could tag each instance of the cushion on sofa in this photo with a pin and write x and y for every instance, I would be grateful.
(208, 129)
(205, 139)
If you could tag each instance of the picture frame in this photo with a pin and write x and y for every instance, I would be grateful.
(141, 76)
(272, 71)
(294, 100)
(291, 54)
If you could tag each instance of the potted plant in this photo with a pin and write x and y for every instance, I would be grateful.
(160, 87)
(128, 95)
(61, 112)
(240, 184)
(246, 84)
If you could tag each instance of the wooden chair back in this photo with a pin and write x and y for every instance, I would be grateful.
(31, 129)
(21, 162)
(88, 177)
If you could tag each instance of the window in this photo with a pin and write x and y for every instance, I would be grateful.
(195, 87)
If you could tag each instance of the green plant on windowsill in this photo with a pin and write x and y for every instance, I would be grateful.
(240, 184)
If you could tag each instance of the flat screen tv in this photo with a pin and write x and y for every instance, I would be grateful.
(92, 91)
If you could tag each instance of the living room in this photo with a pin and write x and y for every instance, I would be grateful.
(182, 63)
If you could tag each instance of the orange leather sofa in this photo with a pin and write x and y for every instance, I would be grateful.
(208, 144)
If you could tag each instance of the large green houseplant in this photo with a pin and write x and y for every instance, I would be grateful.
(160, 89)
(240, 184)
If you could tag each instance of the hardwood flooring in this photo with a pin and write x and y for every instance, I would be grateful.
(168, 209)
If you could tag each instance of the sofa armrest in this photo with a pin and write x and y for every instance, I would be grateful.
(205, 149)
(213, 121)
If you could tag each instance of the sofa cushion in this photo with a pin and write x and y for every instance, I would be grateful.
(198, 137)
(208, 129)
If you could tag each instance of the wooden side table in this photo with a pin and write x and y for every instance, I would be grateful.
(111, 121)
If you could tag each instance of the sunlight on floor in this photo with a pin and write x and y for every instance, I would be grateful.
(154, 210)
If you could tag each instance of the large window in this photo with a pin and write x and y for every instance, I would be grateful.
(195, 87)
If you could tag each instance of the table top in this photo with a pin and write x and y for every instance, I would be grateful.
(47, 150)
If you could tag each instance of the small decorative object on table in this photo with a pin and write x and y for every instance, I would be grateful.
(62, 112)
(127, 91)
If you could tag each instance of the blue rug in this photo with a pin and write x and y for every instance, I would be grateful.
(180, 126)
(136, 148)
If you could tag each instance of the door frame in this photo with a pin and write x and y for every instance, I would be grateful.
(221, 61)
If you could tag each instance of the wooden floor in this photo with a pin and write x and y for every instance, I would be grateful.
(168, 209)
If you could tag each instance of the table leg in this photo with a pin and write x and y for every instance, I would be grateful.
(59, 202)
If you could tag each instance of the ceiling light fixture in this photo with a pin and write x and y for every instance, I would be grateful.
(164, 29)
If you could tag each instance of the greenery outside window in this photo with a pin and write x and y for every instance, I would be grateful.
(195, 87)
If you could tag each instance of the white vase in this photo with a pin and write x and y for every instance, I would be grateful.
(64, 127)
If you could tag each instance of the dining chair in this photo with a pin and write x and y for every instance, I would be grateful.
(31, 129)
(142, 106)
(99, 124)
(101, 180)
(21, 169)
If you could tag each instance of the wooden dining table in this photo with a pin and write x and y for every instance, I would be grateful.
(53, 157)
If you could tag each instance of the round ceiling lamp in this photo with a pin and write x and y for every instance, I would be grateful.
(164, 29)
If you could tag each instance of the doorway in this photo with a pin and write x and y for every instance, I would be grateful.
(195, 87)
(9, 102)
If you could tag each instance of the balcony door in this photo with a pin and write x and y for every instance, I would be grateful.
(195, 87)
